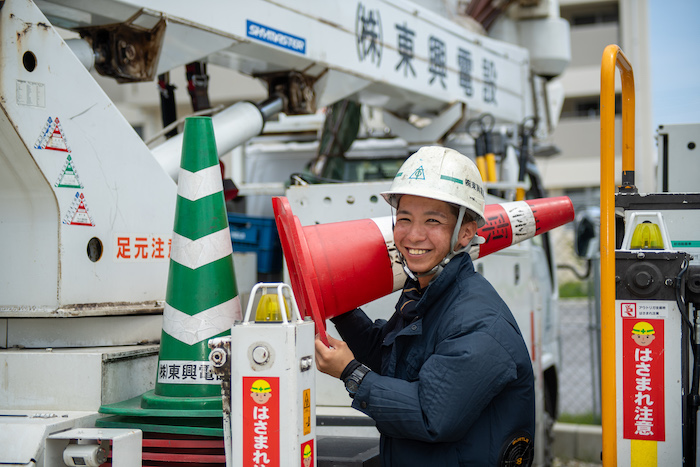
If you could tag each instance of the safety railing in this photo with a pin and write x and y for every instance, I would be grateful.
(613, 57)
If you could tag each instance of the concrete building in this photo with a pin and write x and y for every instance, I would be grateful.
(575, 171)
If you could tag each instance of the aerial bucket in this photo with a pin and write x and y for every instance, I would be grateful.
(339, 266)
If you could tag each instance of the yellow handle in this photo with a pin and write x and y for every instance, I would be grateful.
(491, 167)
(481, 165)
(612, 57)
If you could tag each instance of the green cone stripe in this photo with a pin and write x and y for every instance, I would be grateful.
(204, 325)
(195, 219)
(194, 290)
(197, 185)
(199, 150)
(201, 298)
(196, 253)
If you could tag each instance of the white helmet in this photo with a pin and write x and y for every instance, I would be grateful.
(446, 175)
(443, 174)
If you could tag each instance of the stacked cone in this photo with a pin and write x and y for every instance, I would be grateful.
(201, 303)
(201, 298)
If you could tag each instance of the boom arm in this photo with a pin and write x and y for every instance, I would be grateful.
(385, 53)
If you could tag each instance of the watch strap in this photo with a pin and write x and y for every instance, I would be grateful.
(349, 368)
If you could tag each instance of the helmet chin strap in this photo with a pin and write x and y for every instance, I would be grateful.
(435, 271)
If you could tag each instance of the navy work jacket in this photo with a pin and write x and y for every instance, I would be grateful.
(454, 386)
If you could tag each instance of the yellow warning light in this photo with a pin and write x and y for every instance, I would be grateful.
(647, 236)
(268, 310)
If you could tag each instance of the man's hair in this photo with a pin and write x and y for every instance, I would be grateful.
(468, 213)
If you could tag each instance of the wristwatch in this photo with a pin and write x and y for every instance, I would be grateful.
(352, 382)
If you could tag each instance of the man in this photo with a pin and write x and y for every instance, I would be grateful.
(448, 379)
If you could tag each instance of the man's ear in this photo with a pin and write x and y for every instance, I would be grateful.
(466, 233)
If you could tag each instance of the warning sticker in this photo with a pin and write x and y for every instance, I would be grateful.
(141, 247)
(644, 309)
(52, 137)
(307, 453)
(78, 212)
(68, 178)
(307, 411)
(643, 392)
(261, 421)
(30, 94)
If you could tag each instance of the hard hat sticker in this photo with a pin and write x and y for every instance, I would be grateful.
(261, 421)
(643, 379)
(307, 453)
(418, 174)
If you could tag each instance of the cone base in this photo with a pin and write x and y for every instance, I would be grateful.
(182, 426)
(151, 405)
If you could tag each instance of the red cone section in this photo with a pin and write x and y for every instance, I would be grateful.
(511, 223)
(337, 267)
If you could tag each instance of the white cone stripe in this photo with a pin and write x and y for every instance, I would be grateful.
(200, 252)
(204, 325)
(522, 220)
(397, 271)
(197, 185)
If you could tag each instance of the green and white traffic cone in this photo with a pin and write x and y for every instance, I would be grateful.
(201, 298)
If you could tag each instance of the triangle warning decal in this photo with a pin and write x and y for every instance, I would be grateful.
(52, 137)
(78, 212)
(418, 174)
(69, 176)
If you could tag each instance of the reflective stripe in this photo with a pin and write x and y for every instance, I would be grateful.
(196, 253)
(197, 185)
(203, 325)
(522, 220)
(386, 228)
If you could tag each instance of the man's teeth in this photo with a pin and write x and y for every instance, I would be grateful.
(416, 252)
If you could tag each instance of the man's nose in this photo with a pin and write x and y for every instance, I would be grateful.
(416, 232)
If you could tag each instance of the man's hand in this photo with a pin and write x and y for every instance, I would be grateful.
(332, 361)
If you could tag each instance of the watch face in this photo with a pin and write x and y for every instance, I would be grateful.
(351, 386)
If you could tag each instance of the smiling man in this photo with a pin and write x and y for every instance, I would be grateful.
(447, 379)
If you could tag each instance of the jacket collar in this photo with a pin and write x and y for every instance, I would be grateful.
(461, 266)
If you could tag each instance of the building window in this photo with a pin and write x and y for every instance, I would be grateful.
(581, 15)
(587, 107)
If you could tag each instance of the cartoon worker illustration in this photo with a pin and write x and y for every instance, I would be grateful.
(307, 455)
(260, 391)
(643, 333)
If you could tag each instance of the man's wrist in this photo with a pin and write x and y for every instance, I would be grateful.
(354, 379)
(349, 368)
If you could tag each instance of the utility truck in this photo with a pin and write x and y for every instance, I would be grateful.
(88, 208)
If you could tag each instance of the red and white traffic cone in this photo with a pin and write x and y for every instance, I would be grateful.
(336, 267)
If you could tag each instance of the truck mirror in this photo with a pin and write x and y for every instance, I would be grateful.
(586, 233)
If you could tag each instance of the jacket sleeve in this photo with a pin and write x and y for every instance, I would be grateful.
(454, 386)
(363, 336)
